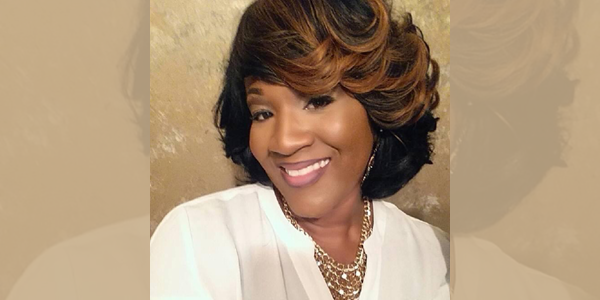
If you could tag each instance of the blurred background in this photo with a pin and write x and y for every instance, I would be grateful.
(524, 164)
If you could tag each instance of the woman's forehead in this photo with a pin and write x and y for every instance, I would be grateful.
(248, 81)
(265, 89)
(257, 86)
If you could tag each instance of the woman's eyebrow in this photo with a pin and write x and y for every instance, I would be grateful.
(255, 91)
(254, 100)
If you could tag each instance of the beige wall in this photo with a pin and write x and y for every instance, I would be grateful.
(525, 144)
(189, 43)
(74, 150)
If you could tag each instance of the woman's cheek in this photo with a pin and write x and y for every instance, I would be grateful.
(254, 144)
(259, 139)
(338, 131)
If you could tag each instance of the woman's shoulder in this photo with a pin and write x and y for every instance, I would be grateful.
(215, 210)
(420, 248)
(418, 228)
(198, 243)
(425, 238)
(239, 193)
(227, 199)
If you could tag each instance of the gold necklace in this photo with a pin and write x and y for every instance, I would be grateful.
(343, 280)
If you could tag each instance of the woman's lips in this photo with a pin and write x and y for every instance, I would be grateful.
(308, 174)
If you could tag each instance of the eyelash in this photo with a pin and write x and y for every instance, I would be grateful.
(256, 117)
(316, 103)
(324, 101)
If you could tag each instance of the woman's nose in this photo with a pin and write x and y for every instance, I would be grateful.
(290, 135)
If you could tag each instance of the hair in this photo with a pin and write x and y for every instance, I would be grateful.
(312, 46)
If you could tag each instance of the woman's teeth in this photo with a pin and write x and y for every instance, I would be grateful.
(304, 171)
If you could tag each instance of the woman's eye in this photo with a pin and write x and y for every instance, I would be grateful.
(319, 102)
(261, 115)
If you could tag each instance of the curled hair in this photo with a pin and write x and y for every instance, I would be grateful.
(312, 46)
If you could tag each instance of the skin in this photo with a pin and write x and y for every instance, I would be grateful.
(288, 127)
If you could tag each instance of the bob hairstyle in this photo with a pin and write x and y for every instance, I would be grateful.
(312, 46)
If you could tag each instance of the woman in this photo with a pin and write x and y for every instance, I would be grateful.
(327, 106)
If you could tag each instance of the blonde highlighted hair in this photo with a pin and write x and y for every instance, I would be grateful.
(312, 46)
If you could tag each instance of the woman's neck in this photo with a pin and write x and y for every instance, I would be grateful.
(338, 231)
(343, 220)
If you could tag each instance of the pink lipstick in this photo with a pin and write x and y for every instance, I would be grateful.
(304, 173)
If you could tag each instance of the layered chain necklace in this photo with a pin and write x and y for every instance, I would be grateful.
(343, 280)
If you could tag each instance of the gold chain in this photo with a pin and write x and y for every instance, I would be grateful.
(343, 280)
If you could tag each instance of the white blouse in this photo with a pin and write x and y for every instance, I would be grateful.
(237, 244)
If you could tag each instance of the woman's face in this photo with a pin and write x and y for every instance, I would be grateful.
(314, 150)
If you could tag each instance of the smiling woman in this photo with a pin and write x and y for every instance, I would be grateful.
(314, 150)
(327, 105)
